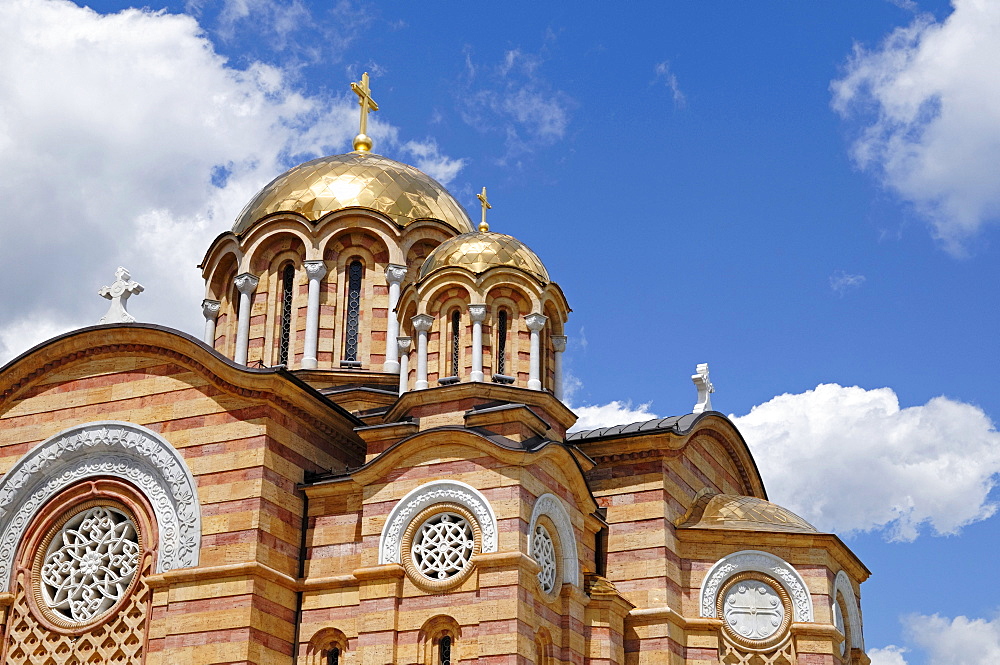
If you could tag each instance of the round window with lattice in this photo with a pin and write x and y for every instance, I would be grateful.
(86, 565)
(756, 610)
(438, 545)
(543, 551)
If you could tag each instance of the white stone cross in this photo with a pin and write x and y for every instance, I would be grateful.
(118, 294)
(705, 389)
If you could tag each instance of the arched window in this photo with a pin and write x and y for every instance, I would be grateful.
(354, 274)
(456, 322)
(444, 650)
(284, 338)
(333, 656)
(501, 360)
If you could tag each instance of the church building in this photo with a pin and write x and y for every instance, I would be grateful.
(367, 460)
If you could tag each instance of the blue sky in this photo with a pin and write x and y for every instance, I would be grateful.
(804, 195)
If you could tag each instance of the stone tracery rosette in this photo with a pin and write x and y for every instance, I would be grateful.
(763, 562)
(550, 506)
(756, 611)
(113, 449)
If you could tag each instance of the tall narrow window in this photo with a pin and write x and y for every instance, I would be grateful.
(444, 650)
(353, 311)
(287, 285)
(333, 656)
(456, 322)
(501, 341)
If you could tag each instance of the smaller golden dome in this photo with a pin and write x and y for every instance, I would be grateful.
(744, 513)
(477, 252)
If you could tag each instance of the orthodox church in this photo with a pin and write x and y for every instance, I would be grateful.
(366, 461)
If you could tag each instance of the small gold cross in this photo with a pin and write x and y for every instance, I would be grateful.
(483, 226)
(365, 101)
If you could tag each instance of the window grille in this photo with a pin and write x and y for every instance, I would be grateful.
(444, 650)
(456, 321)
(287, 284)
(501, 341)
(353, 311)
(333, 656)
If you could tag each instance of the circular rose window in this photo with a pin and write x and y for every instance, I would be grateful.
(439, 544)
(87, 564)
(543, 551)
(755, 609)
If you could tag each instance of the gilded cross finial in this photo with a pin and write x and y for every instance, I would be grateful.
(483, 226)
(363, 142)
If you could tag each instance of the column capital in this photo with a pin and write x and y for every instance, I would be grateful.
(315, 269)
(477, 313)
(535, 322)
(210, 308)
(558, 343)
(422, 322)
(246, 283)
(394, 274)
(403, 344)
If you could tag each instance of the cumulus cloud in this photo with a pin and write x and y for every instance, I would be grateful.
(841, 282)
(125, 139)
(890, 655)
(849, 459)
(428, 158)
(610, 414)
(514, 98)
(665, 76)
(958, 641)
(927, 106)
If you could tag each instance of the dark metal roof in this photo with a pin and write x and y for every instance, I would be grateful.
(677, 424)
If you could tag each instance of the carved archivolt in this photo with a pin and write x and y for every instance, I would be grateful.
(762, 562)
(438, 491)
(842, 585)
(550, 506)
(112, 449)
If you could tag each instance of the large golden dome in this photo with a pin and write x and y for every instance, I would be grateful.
(481, 250)
(356, 180)
(743, 513)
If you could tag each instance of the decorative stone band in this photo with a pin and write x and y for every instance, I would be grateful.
(437, 491)
(550, 506)
(762, 562)
(107, 448)
(842, 585)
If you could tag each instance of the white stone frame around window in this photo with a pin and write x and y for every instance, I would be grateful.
(436, 491)
(550, 506)
(761, 562)
(842, 585)
(106, 448)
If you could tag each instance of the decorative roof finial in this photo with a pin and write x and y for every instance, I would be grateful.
(118, 294)
(363, 142)
(705, 389)
(483, 226)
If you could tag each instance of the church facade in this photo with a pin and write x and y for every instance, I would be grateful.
(366, 460)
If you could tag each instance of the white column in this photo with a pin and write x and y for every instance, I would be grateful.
(535, 324)
(558, 345)
(246, 284)
(315, 270)
(477, 313)
(421, 323)
(210, 308)
(403, 347)
(394, 277)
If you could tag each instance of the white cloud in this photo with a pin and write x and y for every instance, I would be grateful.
(126, 140)
(890, 655)
(428, 158)
(928, 104)
(849, 459)
(669, 79)
(841, 282)
(958, 641)
(610, 414)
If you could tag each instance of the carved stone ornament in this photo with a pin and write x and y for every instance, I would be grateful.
(210, 309)
(842, 586)
(755, 611)
(543, 551)
(118, 293)
(246, 283)
(108, 448)
(394, 273)
(550, 506)
(558, 343)
(315, 269)
(762, 562)
(422, 322)
(477, 313)
(438, 491)
(535, 322)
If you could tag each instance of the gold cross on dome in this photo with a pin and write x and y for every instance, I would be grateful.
(365, 101)
(483, 226)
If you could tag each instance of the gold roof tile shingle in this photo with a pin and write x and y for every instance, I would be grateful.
(732, 511)
(479, 251)
(357, 179)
